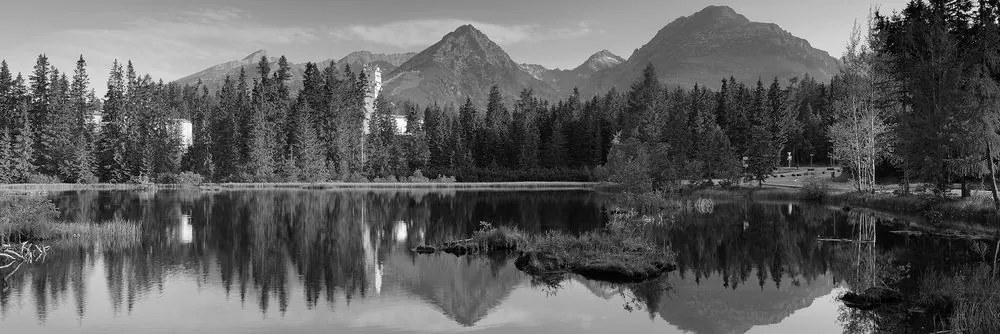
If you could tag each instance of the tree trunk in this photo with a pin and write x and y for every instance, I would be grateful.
(996, 200)
(966, 192)
(906, 182)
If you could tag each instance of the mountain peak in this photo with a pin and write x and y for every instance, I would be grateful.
(601, 60)
(255, 56)
(717, 14)
(463, 64)
(467, 30)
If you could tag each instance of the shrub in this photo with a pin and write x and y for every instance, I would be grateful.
(489, 238)
(21, 218)
(356, 178)
(444, 179)
(387, 179)
(418, 177)
(140, 179)
(38, 178)
(814, 190)
(629, 166)
(183, 179)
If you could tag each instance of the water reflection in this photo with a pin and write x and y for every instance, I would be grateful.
(294, 257)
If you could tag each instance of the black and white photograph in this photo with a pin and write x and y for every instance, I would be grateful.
(487, 166)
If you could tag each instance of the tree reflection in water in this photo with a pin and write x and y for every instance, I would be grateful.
(739, 265)
(334, 244)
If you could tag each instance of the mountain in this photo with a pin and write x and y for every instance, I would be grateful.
(214, 76)
(716, 43)
(601, 60)
(565, 80)
(464, 64)
(387, 62)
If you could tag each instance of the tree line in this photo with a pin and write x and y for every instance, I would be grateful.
(253, 129)
(920, 95)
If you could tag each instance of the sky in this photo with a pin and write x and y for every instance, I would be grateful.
(170, 39)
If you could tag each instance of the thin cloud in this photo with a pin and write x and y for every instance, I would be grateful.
(166, 47)
(417, 33)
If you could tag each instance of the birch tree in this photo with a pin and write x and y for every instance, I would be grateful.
(859, 135)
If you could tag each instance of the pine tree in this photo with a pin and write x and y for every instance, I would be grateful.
(81, 167)
(114, 137)
(22, 150)
(645, 100)
(259, 165)
(6, 97)
(469, 129)
(6, 157)
(307, 149)
(525, 130)
(497, 125)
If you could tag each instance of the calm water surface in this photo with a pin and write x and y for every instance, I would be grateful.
(321, 261)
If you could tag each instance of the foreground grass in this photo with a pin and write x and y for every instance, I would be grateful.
(33, 220)
(614, 255)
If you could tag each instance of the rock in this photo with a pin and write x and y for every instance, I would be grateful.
(549, 265)
(622, 272)
(424, 249)
(459, 248)
(870, 299)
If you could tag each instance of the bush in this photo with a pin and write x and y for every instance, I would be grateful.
(444, 179)
(38, 178)
(182, 179)
(22, 218)
(628, 164)
(140, 179)
(418, 177)
(515, 175)
(356, 178)
(387, 179)
(814, 190)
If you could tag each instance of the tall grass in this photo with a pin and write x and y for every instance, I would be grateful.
(33, 220)
(489, 238)
(972, 293)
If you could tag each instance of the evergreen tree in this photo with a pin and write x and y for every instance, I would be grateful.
(6, 97)
(645, 102)
(469, 129)
(81, 169)
(6, 157)
(497, 125)
(114, 137)
(22, 147)
(307, 150)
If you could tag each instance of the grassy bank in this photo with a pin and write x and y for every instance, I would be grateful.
(613, 254)
(934, 208)
(471, 186)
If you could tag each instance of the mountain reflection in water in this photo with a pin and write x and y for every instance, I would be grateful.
(307, 261)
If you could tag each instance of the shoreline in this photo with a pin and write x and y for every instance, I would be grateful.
(451, 186)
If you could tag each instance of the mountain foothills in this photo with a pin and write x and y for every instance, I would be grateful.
(213, 77)
(714, 44)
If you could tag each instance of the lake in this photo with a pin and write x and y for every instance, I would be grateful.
(306, 261)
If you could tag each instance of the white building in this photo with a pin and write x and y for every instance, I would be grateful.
(374, 75)
(185, 130)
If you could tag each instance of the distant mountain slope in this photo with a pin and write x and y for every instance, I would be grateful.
(565, 80)
(464, 64)
(717, 43)
(214, 76)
